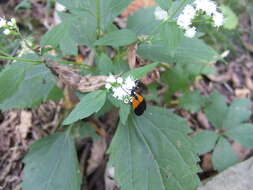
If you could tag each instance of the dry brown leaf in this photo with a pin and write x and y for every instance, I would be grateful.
(207, 162)
(136, 5)
(25, 123)
(242, 93)
(131, 55)
(203, 120)
(69, 77)
(97, 155)
(241, 151)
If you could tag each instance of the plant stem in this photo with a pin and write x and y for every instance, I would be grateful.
(41, 61)
(98, 17)
(21, 59)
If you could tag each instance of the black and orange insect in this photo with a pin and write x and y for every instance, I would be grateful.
(138, 102)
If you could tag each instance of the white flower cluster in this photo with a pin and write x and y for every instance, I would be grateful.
(8, 26)
(121, 88)
(207, 7)
(160, 14)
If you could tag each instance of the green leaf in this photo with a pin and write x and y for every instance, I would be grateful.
(54, 36)
(55, 94)
(188, 51)
(223, 155)
(238, 112)
(10, 78)
(105, 65)
(25, 4)
(86, 130)
(117, 38)
(109, 9)
(140, 72)
(119, 66)
(71, 32)
(164, 4)
(159, 153)
(222, 116)
(52, 164)
(243, 134)
(177, 7)
(143, 21)
(216, 110)
(89, 104)
(124, 112)
(205, 141)
(231, 20)
(177, 79)
(192, 101)
(35, 87)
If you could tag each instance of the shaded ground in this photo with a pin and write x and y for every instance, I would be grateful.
(18, 129)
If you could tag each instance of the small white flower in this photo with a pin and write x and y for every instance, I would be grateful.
(129, 83)
(200, 4)
(218, 19)
(119, 80)
(160, 14)
(189, 11)
(60, 7)
(225, 54)
(2, 22)
(211, 8)
(111, 172)
(119, 93)
(190, 32)
(108, 86)
(208, 6)
(111, 79)
(7, 31)
(126, 101)
(13, 20)
(184, 21)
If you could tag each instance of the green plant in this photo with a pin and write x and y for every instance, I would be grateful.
(152, 151)
(229, 123)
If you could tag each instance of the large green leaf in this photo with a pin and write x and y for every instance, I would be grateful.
(205, 141)
(75, 29)
(89, 104)
(164, 4)
(192, 101)
(117, 38)
(37, 86)
(105, 65)
(231, 20)
(223, 155)
(108, 9)
(177, 78)
(52, 164)
(222, 116)
(238, 112)
(10, 79)
(242, 134)
(188, 51)
(159, 153)
(217, 109)
(140, 72)
(143, 22)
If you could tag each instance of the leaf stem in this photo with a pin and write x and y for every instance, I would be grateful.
(41, 61)
(98, 18)
(21, 59)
